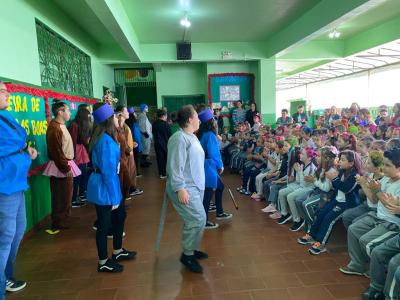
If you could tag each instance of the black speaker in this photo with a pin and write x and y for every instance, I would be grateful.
(183, 51)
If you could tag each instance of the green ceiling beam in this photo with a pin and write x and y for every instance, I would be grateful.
(202, 51)
(317, 49)
(318, 19)
(114, 17)
(381, 34)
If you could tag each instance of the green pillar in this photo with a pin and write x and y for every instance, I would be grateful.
(266, 102)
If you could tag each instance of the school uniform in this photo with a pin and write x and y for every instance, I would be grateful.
(14, 165)
(212, 163)
(104, 191)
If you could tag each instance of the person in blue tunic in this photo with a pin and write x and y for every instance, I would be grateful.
(136, 135)
(185, 185)
(15, 161)
(104, 189)
(213, 166)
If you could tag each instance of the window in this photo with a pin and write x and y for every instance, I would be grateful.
(62, 65)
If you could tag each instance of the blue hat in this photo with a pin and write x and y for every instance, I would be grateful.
(102, 113)
(131, 110)
(143, 106)
(206, 115)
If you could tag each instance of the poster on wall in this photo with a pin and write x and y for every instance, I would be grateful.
(30, 112)
(229, 92)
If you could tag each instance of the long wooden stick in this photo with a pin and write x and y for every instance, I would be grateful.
(233, 199)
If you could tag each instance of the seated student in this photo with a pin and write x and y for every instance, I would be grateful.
(374, 169)
(256, 122)
(363, 147)
(385, 268)
(252, 167)
(323, 192)
(375, 227)
(306, 139)
(273, 159)
(283, 148)
(239, 158)
(378, 145)
(345, 183)
(298, 188)
(393, 143)
(282, 182)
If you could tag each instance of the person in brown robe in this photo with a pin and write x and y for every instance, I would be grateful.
(61, 167)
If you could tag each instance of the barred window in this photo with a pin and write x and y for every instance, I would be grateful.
(63, 65)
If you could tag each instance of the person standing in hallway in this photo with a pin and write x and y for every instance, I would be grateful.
(145, 129)
(161, 135)
(238, 114)
(213, 166)
(15, 161)
(61, 167)
(136, 135)
(185, 185)
(104, 189)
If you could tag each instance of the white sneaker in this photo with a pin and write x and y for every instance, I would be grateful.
(269, 209)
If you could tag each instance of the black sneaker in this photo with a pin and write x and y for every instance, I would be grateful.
(190, 262)
(136, 192)
(14, 285)
(124, 255)
(83, 198)
(284, 219)
(110, 266)
(200, 254)
(373, 294)
(212, 209)
(297, 226)
(224, 216)
(211, 225)
(76, 204)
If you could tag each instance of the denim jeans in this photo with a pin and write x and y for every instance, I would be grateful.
(12, 228)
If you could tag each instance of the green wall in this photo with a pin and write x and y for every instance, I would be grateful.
(180, 79)
(19, 58)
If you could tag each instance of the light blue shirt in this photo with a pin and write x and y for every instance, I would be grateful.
(185, 162)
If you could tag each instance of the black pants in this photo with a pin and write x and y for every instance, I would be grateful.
(136, 156)
(161, 156)
(208, 193)
(106, 219)
(80, 182)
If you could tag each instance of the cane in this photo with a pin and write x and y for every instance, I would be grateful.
(162, 221)
(233, 199)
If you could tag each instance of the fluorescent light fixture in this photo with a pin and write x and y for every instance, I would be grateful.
(334, 34)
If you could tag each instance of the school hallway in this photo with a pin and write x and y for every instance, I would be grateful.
(251, 257)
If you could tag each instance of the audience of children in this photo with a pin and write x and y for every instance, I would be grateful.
(347, 167)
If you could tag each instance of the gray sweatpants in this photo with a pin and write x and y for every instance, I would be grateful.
(194, 218)
(385, 260)
(364, 235)
(352, 214)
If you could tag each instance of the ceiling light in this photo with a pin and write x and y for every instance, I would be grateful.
(185, 22)
(334, 34)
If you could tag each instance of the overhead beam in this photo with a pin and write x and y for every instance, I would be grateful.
(113, 16)
(322, 17)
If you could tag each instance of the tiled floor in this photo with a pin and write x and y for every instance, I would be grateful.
(251, 257)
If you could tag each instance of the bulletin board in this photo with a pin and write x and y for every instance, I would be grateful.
(31, 109)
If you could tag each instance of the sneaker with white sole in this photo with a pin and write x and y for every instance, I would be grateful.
(297, 226)
(224, 216)
(269, 209)
(14, 285)
(306, 240)
(211, 225)
(136, 192)
(110, 266)
(346, 270)
(284, 219)
(275, 216)
(317, 248)
(124, 255)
